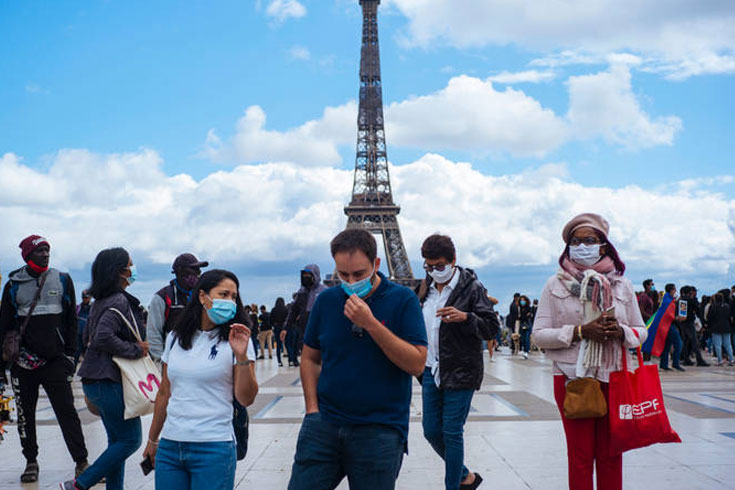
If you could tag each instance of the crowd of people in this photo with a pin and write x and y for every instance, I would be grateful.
(706, 325)
(357, 345)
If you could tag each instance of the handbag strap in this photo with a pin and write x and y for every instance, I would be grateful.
(36, 297)
(136, 332)
(637, 350)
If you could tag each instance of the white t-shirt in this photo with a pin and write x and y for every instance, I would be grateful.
(200, 406)
(433, 302)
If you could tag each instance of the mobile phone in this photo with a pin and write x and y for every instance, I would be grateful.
(609, 313)
(146, 465)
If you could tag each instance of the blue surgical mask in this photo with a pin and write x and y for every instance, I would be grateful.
(133, 275)
(360, 288)
(222, 310)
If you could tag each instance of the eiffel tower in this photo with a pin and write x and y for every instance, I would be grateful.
(372, 207)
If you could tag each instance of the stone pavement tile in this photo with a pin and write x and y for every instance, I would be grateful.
(670, 477)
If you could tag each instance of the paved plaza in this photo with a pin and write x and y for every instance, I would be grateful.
(513, 437)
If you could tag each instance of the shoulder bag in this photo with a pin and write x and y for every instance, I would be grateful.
(140, 377)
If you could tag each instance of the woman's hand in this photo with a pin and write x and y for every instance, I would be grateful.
(595, 330)
(150, 452)
(145, 346)
(239, 338)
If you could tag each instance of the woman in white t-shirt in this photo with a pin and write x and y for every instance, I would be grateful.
(207, 358)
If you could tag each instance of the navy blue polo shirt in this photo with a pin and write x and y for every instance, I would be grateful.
(358, 384)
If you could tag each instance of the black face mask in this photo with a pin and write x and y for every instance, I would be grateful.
(307, 280)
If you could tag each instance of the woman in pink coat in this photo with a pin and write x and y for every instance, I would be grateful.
(586, 316)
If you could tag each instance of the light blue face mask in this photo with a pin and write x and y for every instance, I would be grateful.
(133, 275)
(361, 288)
(222, 310)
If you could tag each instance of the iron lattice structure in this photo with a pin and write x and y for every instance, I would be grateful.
(372, 206)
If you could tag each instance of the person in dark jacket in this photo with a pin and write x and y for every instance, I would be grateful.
(458, 316)
(645, 301)
(108, 335)
(525, 315)
(47, 349)
(169, 302)
(278, 316)
(298, 315)
(718, 322)
(82, 315)
(688, 330)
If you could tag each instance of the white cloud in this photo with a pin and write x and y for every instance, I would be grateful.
(314, 142)
(469, 114)
(604, 104)
(528, 76)
(281, 10)
(280, 212)
(34, 88)
(301, 53)
(673, 32)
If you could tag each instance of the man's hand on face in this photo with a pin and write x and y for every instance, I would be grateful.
(359, 312)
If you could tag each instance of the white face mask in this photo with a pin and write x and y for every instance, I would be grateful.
(442, 276)
(587, 255)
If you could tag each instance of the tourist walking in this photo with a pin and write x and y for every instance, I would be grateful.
(83, 309)
(39, 308)
(525, 316)
(265, 336)
(298, 315)
(208, 360)
(108, 335)
(278, 316)
(718, 323)
(169, 302)
(673, 337)
(571, 323)
(364, 341)
(458, 315)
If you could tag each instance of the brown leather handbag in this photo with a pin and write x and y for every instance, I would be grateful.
(584, 399)
(11, 342)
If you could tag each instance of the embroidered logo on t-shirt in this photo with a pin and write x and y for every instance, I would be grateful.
(213, 353)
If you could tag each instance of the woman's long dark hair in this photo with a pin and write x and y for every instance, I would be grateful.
(191, 318)
(279, 312)
(106, 270)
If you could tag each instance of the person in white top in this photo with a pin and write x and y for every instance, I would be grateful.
(458, 315)
(207, 360)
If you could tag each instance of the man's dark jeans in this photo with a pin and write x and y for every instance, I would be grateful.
(445, 413)
(673, 338)
(369, 455)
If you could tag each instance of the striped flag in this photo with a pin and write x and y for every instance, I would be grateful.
(658, 326)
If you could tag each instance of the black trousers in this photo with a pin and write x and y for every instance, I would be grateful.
(56, 381)
(689, 337)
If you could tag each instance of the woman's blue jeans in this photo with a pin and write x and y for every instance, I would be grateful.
(719, 340)
(123, 436)
(195, 465)
(445, 413)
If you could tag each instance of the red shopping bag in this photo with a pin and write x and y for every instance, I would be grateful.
(636, 407)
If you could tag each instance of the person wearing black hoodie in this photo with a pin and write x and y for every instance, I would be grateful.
(278, 316)
(40, 302)
(298, 315)
(458, 316)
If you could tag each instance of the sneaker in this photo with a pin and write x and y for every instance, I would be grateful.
(679, 368)
(688, 363)
(280, 364)
(30, 474)
(665, 368)
(69, 485)
(290, 364)
(703, 364)
(525, 355)
(80, 468)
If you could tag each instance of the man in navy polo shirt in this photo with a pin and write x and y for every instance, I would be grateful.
(364, 341)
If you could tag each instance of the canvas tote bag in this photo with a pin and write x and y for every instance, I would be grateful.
(140, 377)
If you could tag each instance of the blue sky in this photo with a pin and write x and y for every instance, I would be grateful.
(168, 127)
